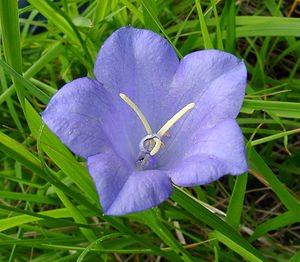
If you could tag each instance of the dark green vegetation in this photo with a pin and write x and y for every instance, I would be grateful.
(49, 209)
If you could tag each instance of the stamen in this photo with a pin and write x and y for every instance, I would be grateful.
(157, 146)
(138, 112)
(154, 138)
(174, 119)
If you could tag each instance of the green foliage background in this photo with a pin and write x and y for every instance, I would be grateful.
(49, 209)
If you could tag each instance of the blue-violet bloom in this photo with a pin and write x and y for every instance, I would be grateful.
(150, 120)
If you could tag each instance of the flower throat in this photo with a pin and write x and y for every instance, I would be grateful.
(151, 143)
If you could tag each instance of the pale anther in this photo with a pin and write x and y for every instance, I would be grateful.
(138, 112)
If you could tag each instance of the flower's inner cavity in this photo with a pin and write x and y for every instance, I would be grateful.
(151, 143)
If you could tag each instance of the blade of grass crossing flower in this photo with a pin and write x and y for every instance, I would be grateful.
(60, 155)
(199, 212)
(64, 163)
(206, 37)
(9, 21)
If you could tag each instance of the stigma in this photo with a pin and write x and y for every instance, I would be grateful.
(150, 144)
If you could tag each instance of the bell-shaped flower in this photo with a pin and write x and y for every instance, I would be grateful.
(150, 120)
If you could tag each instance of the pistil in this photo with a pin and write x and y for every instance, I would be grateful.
(156, 138)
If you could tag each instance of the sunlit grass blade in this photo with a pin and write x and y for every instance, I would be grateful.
(258, 165)
(229, 17)
(206, 37)
(279, 221)
(134, 10)
(28, 197)
(78, 217)
(51, 53)
(240, 249)
(19, 152)
(11, 41)
(273, 137)
(25, 83)
(281, 109)
(102, 7)
(235, 207)
(53, 216)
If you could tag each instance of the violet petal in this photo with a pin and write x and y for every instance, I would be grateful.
(123, 190)
(210, 155)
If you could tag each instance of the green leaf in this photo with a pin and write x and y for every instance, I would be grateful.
(206, 37)
(279, 221)
(20, 153)
(258, 165)
(9, 21)
(202, 214)
(281, 109)
(235, 206)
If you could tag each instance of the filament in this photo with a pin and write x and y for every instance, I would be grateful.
(174, 119)
(135, 108)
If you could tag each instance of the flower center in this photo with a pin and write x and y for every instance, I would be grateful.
(151, 143)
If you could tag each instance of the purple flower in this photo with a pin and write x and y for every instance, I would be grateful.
(150, 119)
